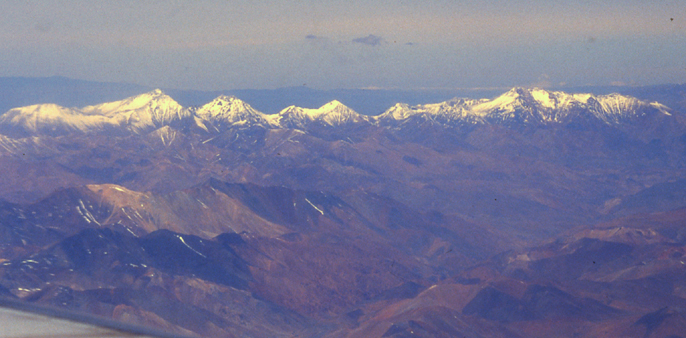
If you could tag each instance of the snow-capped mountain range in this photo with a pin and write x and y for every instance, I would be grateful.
(532, 106)
(153, 110)
(136, 114)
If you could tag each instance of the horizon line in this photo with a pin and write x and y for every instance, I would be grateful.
(366, 88)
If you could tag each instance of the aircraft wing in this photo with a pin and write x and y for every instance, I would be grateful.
(25, 320)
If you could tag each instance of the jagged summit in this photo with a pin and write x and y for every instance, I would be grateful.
(330, 107)
(530, 106)
(447, 111)
(333, 113)
(229, 110)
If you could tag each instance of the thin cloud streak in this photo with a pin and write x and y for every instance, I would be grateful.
(370, 40)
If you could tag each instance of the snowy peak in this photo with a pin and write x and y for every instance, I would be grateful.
(229, 110)
(224, 103)
(454, 111)
(150, 110)
(333, 106)
(333, 113)
(523, 98)
(555, 106)
(505, 105)
(336, 113)
(153, 99)
(557, 100)
(32, 115)
(399, 111)
(136, 114)
(50, 119)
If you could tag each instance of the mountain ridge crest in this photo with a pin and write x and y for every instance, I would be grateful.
(154, 109)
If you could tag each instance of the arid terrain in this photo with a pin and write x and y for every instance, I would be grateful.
(531, 214)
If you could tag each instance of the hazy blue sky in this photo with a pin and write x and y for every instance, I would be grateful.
(212, 45)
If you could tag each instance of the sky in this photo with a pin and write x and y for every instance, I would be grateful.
(410, 45)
